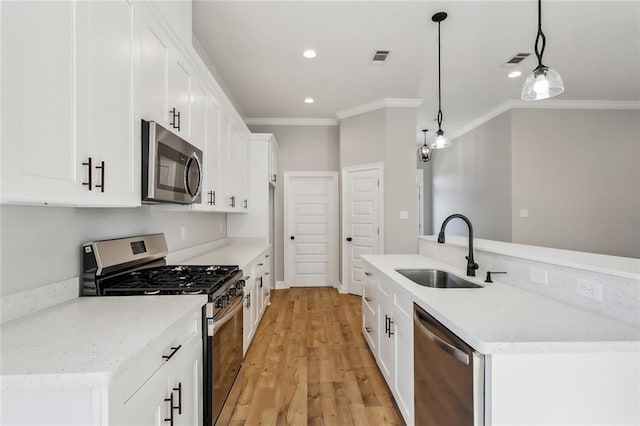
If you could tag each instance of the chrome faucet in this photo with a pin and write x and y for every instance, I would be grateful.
(471, 264)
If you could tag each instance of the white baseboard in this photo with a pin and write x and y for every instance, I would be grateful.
(280, 285)
(340, 287)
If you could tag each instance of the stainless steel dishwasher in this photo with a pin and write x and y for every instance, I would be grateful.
(448, 376)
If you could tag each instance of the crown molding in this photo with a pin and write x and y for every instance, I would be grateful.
(266, 121)
(547, 104)
(378, 104)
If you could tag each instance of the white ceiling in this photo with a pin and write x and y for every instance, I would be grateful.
(257, 50)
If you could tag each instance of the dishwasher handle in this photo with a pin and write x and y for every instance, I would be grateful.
(456, 353)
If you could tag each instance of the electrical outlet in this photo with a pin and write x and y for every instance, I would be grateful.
(539, 276)
(183, 232)
(589, 289)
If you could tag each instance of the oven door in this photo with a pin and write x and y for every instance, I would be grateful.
(225, 338)
(172, 170)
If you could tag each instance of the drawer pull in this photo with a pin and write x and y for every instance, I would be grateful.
(368, 299)
(174, 349)
(179, 389)
(369, 274)
(260, 264)
(170, 401)
(368, 329)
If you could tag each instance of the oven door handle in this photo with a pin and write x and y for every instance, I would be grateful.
(214, 326)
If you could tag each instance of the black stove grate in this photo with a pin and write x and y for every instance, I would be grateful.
(169, 280)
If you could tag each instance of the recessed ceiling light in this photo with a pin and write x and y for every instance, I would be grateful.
(309, 54)
(308, 100)
(514, 74)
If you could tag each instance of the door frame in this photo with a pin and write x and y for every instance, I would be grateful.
(285, 234)
(343, 224)
(420, 184)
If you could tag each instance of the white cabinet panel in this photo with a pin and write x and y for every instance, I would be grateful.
(386, 338)
(41, 160)
(105, 97)
(248, 317)
(153, 56)
(179, 95)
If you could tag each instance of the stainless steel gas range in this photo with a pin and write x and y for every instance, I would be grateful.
(137, 266)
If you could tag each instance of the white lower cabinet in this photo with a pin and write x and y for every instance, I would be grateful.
(256, 295)
(387, 326)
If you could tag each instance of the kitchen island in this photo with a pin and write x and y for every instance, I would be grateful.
(545, 361)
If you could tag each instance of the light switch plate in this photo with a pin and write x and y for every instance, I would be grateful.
(524, 212)
(404, 214)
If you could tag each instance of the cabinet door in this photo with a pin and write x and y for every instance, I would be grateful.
(199, 116)
(41, 156)
(179, 95)
(259, 301)
(403, 356)
(244, 169)
(105, 96)
(186, 385)
(226, 165)
(152, 55)
(386, 338)
(273, 163)
(248, 313)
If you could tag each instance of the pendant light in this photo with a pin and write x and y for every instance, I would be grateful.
(543, 82)
(424, 152)
(440, 141)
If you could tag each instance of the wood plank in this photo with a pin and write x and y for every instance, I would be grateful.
(309, 364)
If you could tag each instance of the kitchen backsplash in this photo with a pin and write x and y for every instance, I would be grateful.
(619, 295)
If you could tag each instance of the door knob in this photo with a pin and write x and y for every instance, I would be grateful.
(293, 238)
(349, 238)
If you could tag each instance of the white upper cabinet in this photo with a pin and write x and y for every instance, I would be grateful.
(273, 162)
(104, 102)
(179, 95)
(66, 104)
(152, 56)
(41, 161)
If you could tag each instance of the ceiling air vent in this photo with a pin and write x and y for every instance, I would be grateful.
(380, 57)
(517, 59)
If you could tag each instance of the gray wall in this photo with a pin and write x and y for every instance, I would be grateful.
(301, 148)
(41, 245)
(577, 172)
(387, 135)
(473, 177)
(427, 200)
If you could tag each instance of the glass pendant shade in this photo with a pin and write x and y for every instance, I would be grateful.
(424, 152)
(440, 141)
(542, 83)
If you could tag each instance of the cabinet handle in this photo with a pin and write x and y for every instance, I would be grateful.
(266, 273)
(174, 349)
(368, 299)
(387, 326)
(89, 165)
(275, 177)
(260, 282)
(173, 117)
(179, 389)
(214, 198)
(233, 201)
(101, 167)
(260, 264)
(178, 116)
(246, 205)
(367, 329)
(170, 401)
(369, 274)
(248, 298)
(210, 197)
(391, 333)
(266, 255)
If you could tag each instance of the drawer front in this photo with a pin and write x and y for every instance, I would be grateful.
(369, 327)
(156, 357)
(369, 298)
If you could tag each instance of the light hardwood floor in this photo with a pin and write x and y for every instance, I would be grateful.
(309, 364)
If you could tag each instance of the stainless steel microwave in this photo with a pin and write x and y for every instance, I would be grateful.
(171, 167)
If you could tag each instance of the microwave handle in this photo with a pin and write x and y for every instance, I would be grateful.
(193, 158)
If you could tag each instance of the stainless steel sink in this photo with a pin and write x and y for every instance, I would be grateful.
(436, 279)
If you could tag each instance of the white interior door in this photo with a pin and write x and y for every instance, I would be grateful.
(311, 229)
(361, 225)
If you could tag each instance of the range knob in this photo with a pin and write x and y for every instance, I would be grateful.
(232, 292)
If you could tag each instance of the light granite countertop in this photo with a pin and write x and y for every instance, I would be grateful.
(504, 319)
(87, 341)
(241, 252)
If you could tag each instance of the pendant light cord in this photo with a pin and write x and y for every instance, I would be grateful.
(540, 37)
(439, 84)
